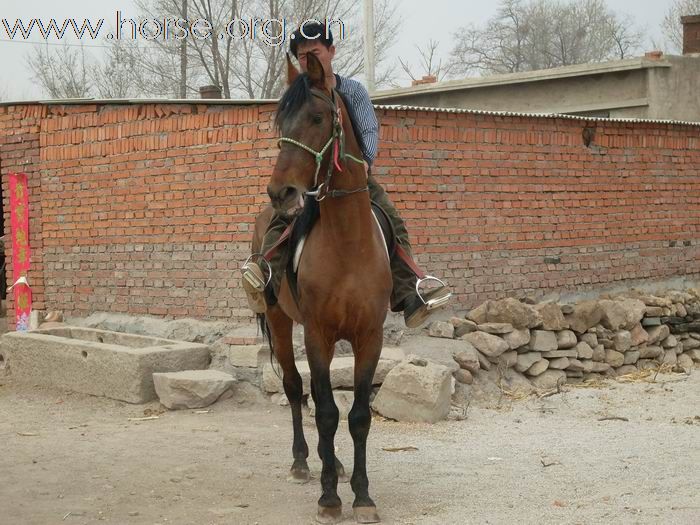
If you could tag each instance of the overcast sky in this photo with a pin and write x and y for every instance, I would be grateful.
(442, 18)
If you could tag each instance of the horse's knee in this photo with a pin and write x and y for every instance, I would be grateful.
(327, 417)
(359, 420)
(293, 386)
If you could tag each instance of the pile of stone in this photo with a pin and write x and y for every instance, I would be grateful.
(551, 343)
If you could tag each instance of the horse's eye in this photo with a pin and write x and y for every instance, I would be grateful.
(317, 118)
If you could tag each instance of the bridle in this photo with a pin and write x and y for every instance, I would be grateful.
(337, 140)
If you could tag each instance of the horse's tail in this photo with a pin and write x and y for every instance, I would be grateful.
(267, 335)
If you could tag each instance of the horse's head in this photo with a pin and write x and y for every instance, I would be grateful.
(307, 121)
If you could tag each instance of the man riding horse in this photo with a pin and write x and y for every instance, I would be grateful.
(316, 40)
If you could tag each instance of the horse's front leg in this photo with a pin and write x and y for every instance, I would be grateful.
(319, 353)
(281, 329)
(367, 354)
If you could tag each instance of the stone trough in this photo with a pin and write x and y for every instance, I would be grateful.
(97, 362)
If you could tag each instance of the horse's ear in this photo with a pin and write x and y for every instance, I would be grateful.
(292, 71)
(317, 75)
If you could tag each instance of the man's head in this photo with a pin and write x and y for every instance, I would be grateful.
(316, 39)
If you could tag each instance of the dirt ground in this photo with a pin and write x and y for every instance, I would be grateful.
(75, 459)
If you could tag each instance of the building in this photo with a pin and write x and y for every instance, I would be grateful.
(655, 86)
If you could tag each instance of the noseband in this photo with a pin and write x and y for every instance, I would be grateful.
(337, 139)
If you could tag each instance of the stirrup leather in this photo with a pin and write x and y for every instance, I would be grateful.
(252, 277)
(434, 303)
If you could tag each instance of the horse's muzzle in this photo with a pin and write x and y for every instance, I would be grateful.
(286, 200)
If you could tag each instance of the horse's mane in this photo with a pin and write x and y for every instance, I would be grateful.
(298, 94)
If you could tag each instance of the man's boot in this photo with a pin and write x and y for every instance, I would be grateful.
(254, 287)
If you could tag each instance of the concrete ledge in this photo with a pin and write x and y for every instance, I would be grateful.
(97, 362)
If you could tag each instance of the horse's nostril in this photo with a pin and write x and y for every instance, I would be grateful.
(287, 193)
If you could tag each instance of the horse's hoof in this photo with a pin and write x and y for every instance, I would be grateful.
(299, 475)
(366, 515)
(329, 515)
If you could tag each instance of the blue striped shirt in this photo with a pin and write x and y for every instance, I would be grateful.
(362, 115)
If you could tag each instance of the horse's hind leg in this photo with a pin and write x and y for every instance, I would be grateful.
(367, 355)
(281, 330)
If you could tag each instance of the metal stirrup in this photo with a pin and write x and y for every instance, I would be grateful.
(432, 304)
(252, 279)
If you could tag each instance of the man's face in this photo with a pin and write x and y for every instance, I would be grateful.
(314, 47)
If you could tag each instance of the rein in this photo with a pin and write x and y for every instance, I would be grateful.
(337, 139)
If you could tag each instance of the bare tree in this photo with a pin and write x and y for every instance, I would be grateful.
(245, 58)
(671, 26)
(63, 72)
(541, 34)
(117, 75)
(430, 63)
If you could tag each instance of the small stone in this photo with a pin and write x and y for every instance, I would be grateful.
(599, 353)
(653, 311)
(632, 357)
(639, 335)
(614, 358)
(583, 350)
(462, 326)
(627, 369)
(685, 362)
(607, 343)
(441, 329)
(658, 333)
(691, 344)
(573, 374)
(484, 363)
(464, 376)
(554, 354)
(487, 344)
(681, 311)
(694, 355)
(587, 365)
(651, 321)
(647, 364)
(575, 364)
(525, 361)
(515, 382)
(518, 338)
(622, 341)
(650, 352)
(549, 380)
(495, 328)
(669, 358)
(538, 368)
(601, 368)
(566, 339)
(560, 363)
(590, 339)
(542, 341)
(508, 359)
(468, 358)
(669, 342)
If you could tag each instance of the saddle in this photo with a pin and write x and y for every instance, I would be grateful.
(297, 232)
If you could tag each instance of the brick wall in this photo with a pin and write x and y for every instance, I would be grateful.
(148, 208)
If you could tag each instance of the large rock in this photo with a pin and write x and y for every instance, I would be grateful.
(694, 355)
(652, 300)
(520, 337)
(670, 342)
(191, 388)
(525, 361)
(495, 328)
(552, 316)
(583, 350)
(626, 369)
(487, 344)
(632, 357)
(658, 333)
(576, 365)
(507, 310)
(669, 358)
(416, 390)
(549, 380)
(543, 341)
(468, 358)
(599, 353)
(685, 362)
(590, 338)
(621, 314)
(586, 315)
(508, 359)
(515, 383)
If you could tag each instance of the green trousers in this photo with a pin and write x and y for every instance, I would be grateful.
(404, 280)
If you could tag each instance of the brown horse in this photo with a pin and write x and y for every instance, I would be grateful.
(343, 281)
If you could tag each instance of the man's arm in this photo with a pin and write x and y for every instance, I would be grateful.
(367, 125)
